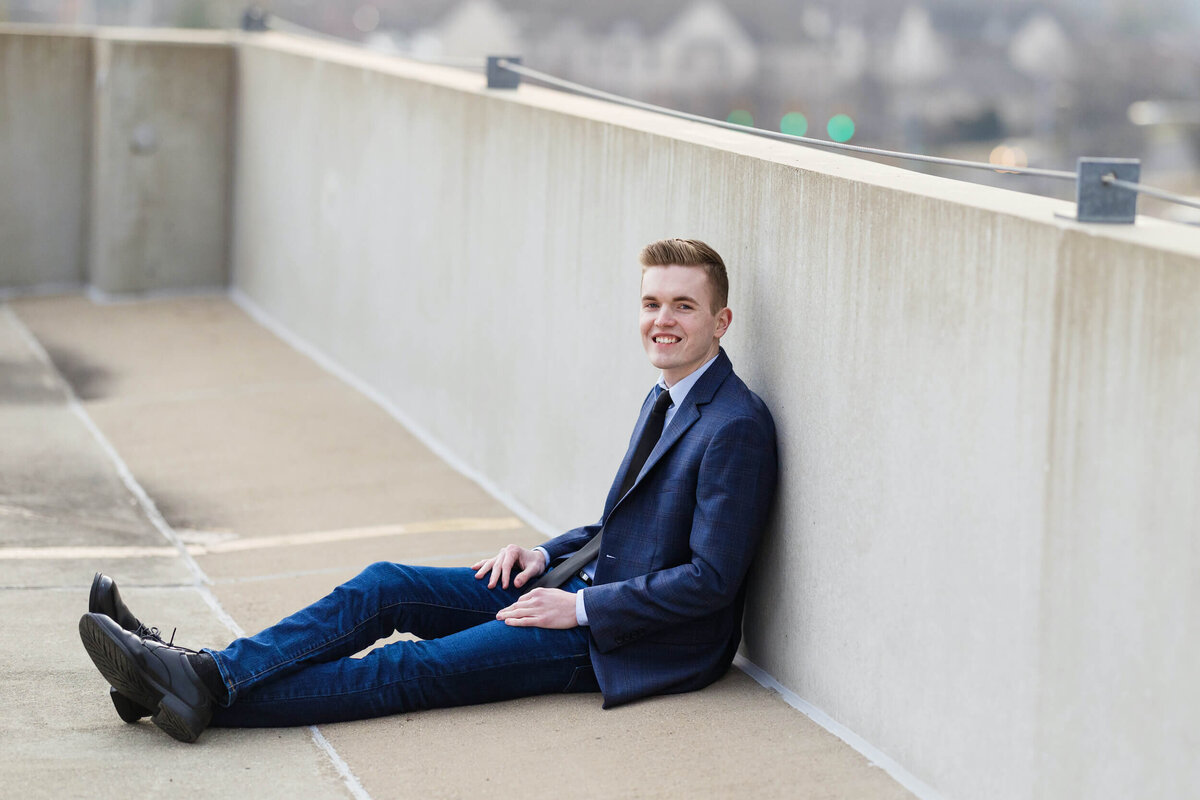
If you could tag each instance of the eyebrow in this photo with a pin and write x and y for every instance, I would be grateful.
(681, 299)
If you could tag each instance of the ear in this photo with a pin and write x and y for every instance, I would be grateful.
(724, 318)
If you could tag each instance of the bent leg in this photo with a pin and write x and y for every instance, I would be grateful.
(484, 663)
(429, 602)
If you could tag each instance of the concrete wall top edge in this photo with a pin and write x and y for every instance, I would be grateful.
(37, 29)
(1156, 234)
(166, 35)
(111, 33)
(349, 54)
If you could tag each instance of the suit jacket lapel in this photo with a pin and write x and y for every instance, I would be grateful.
(684, 418)
(643, 418)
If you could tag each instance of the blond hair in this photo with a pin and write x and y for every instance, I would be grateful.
(690, 253)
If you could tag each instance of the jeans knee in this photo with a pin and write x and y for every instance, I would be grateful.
(379, 572)
(390, 573)
(379, 567)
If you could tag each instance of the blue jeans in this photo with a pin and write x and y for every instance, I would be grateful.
(299, 671)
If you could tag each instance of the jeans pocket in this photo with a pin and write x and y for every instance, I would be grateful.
(583, 679)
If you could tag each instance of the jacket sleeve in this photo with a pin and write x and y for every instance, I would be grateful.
(735, 487)
(567, 543)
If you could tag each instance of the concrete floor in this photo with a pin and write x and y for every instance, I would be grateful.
(224, 480)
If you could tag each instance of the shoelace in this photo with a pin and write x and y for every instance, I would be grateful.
(155, 635)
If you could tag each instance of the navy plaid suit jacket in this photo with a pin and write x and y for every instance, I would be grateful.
(666, 607)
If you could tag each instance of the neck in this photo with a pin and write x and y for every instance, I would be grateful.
(670, 378)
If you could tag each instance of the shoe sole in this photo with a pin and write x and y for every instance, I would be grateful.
(94, 596)
(121, 671)
(127, 709)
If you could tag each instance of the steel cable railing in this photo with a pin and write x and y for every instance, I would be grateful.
(1102, 194)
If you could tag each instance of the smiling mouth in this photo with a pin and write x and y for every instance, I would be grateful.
(666, 339)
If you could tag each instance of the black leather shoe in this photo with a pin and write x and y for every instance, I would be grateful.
(105, 599)
(152, 674)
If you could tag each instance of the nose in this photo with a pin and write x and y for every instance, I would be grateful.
(664, 318)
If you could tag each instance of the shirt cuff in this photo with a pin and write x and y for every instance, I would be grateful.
(545, 557)
(580, 611)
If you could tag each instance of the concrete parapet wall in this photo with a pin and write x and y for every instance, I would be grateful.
(162, 155)
(115, 158)
(984, 554)
(45, 136)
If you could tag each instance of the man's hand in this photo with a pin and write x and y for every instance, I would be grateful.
(541, 608)
(529, 564)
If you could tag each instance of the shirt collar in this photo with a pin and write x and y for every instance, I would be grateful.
(681, 388)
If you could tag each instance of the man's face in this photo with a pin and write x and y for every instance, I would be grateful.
(679, 329)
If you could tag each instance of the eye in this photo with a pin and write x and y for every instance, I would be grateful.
(649, 305)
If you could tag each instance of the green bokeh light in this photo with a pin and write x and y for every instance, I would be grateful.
(840, 128)
(794, 123)
(740, 117)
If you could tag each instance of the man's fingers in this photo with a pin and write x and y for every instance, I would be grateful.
(517, 612)
(501, 567)
(482, 567)
(523, 576)
(520, 607)
(533, 568)
(541, 608)
(527, 604)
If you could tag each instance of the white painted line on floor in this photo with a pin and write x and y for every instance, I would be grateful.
(93, 552)
(101, 552)
(455, 559)
(339, 763)
(156, 518)
(872, 753)
(354, 534)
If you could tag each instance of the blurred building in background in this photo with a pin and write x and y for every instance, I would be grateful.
(1018, 82)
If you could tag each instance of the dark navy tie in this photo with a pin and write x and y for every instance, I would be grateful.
(650, 436)
(581, 558)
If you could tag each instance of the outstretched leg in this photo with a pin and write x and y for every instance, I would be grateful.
(428, 602)
(299, 671)
(480, 664)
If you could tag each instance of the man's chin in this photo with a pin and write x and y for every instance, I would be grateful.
(658, 361)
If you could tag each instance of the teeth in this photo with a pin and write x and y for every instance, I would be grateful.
(666, 339)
